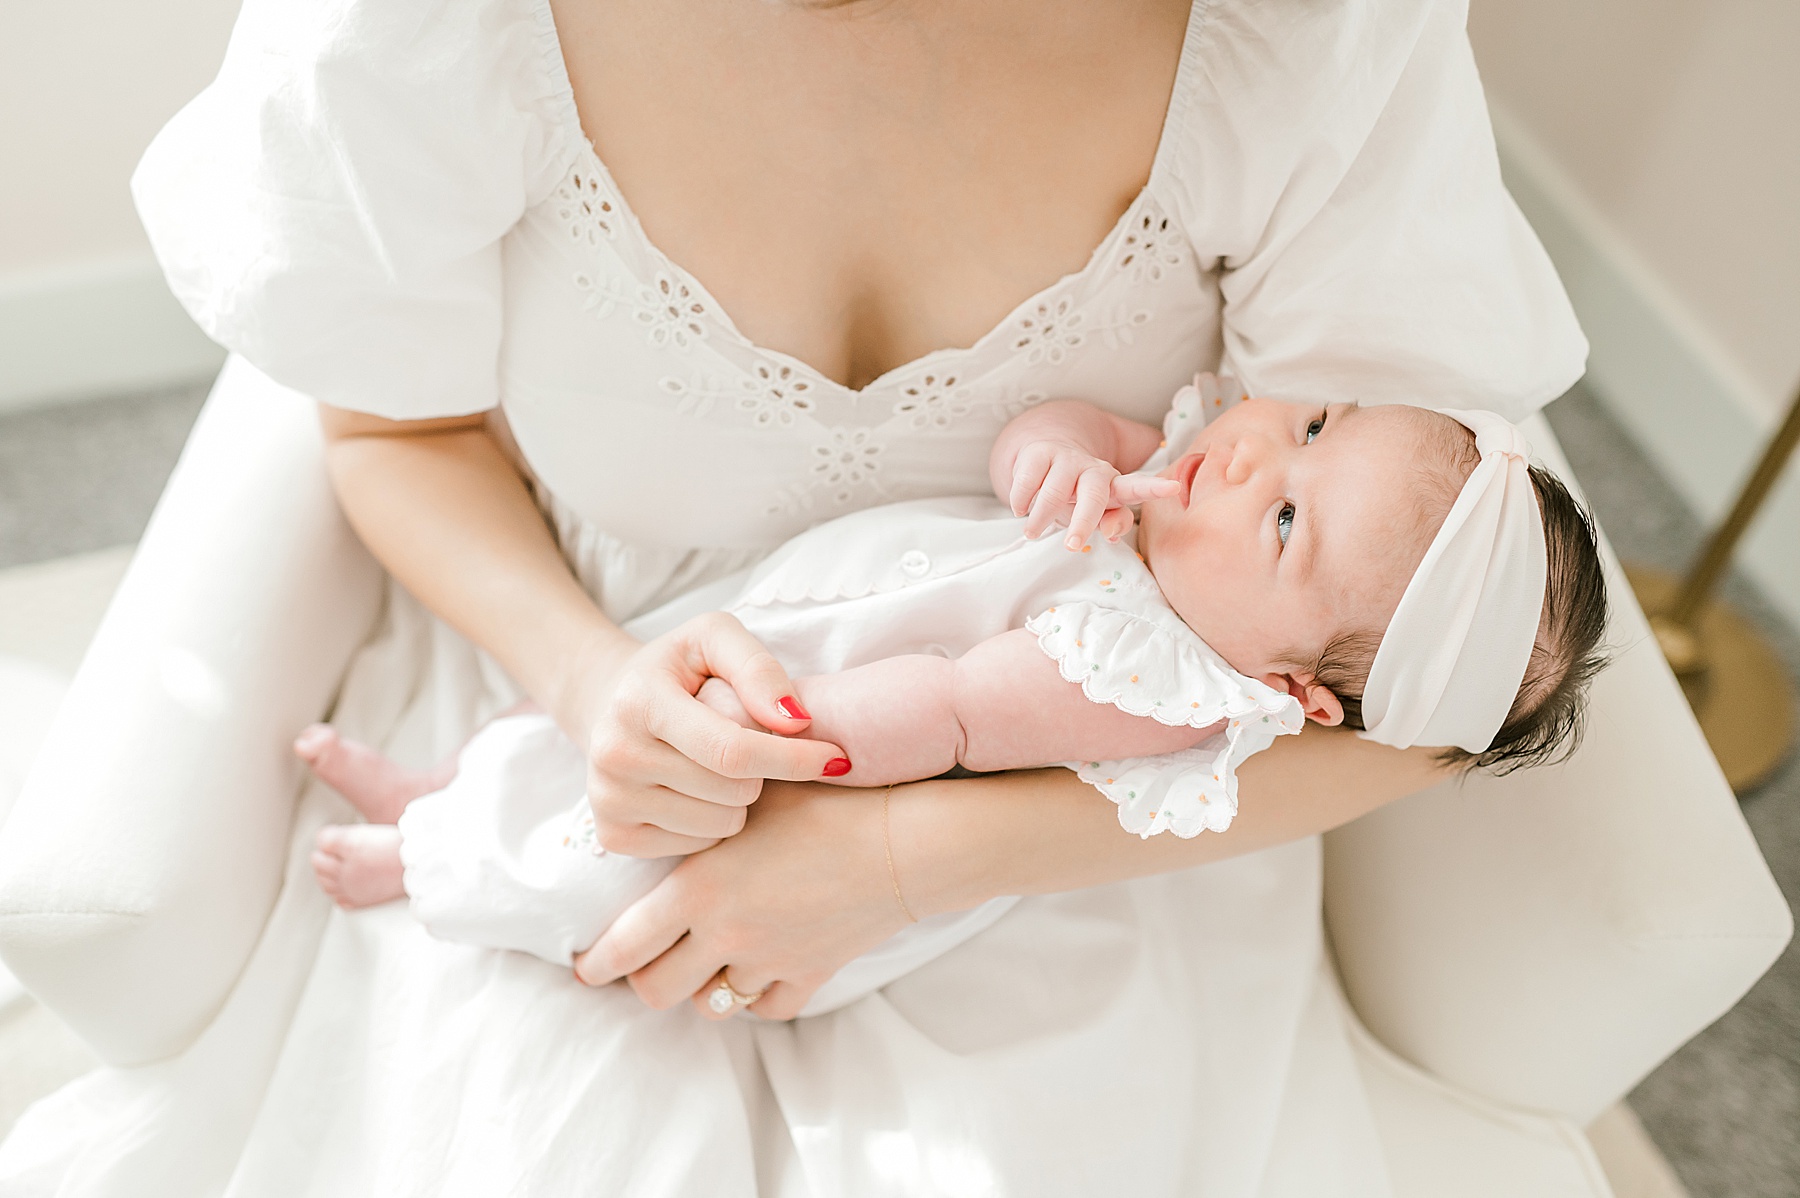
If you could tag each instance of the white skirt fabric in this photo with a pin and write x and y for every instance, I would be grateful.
(1167, 1036)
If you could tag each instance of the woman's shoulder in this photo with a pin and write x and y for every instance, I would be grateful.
(331, 205)
(453, 77)
(1266, 85)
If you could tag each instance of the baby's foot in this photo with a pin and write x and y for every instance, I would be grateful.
(376, 785)
(358, 865)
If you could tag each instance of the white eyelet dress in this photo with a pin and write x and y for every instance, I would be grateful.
(388, 205)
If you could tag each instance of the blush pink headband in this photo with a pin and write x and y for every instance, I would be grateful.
(1450, 663)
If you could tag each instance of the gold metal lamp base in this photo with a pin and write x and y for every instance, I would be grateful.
(1732, 677)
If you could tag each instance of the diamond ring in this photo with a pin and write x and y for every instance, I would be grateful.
(724, 998)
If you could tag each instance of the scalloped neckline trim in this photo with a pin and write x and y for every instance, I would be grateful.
(1174, 114)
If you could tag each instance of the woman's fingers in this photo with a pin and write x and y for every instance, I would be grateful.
(722, 747)
(630, 780)
(681, 972)
(725, 649)
(745, 982)
(785, 1000)
(642, 933)
(648, 840)
(678, 814)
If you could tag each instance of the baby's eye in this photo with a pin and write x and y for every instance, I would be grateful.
(1315, 428)
(1284, 522)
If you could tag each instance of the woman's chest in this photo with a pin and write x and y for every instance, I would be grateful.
(638, 401)
(647, 407)
(864, 184)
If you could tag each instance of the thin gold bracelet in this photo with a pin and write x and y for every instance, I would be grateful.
(887, 846)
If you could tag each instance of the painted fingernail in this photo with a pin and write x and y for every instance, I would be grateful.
(837, 767)
(790, 707)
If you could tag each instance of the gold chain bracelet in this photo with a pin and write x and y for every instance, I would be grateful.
(887, 847)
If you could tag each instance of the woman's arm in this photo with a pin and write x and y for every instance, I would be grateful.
(805, 887)
(440, 505)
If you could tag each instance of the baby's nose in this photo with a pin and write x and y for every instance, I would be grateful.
(1247, 455)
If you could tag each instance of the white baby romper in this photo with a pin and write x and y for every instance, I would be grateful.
(499, 857)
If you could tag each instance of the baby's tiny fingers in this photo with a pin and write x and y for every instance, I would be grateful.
(1033, 464)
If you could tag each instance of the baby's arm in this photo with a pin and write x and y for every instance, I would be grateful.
(1003, 705)
(1062, 463)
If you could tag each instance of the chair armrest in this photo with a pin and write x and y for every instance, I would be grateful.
(145, 851)
(1545, 939)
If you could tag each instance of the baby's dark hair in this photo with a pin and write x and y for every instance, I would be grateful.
(1545, 723)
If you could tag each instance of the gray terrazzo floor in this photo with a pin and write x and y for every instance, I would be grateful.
(1725, 1109)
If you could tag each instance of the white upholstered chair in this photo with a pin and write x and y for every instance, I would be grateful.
(1520, 951)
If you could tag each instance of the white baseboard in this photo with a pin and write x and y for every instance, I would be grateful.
(95, 329)
(1657, 369)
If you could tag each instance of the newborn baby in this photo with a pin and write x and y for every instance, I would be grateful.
(1395, 568)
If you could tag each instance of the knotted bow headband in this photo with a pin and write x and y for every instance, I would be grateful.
(1452, 660)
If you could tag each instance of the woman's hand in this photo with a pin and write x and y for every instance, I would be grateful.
(799, 893)
(669, 775)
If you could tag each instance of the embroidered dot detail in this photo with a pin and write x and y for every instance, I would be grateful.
(1087, 548)
(1134, 677)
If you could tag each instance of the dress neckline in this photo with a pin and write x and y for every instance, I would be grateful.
(1174, 113)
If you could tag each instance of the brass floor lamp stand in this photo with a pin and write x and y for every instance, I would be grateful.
(1732, 676)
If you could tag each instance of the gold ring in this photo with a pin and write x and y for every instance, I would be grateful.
(725, 998)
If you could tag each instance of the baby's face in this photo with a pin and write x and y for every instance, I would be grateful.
(1294, 523)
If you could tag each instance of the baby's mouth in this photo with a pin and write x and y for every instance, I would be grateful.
(1185, 470)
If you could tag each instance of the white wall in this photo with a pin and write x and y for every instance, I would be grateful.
(1655, 144)
(84, 85)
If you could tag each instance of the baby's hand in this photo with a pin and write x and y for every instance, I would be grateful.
(1055, 483)
(719, 695)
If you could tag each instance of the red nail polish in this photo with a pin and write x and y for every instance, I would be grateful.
(837, 767)
(790, 707)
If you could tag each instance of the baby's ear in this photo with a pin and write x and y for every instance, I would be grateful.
(1318, 702)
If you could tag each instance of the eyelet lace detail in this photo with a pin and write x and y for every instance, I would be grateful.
(672, 312)
(771, 394)
(847, 459)
(1049, 332)
(587, 208)
(1151, 247)
(934, 401)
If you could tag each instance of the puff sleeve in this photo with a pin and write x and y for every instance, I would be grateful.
(331, 206)
(1146, 662)
(1338, 166)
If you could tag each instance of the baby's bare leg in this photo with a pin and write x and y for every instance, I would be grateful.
(376, 784)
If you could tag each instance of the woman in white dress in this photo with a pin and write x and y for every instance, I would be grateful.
(811, 260)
